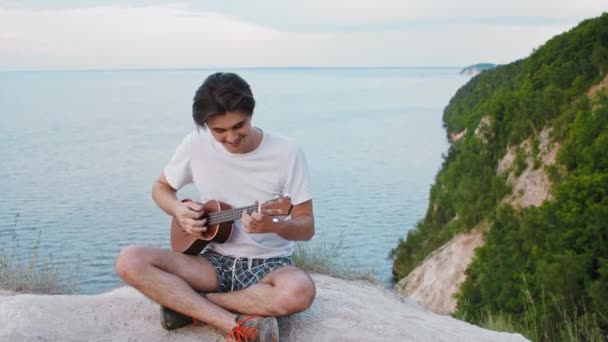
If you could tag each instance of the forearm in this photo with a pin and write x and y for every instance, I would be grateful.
(301, 227)
(165, 197)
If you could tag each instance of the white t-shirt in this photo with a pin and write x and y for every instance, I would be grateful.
(276, 167)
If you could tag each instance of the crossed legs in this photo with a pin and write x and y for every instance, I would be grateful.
(175, 280)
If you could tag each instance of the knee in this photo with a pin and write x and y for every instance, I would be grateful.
(128, 262)
(294, 297)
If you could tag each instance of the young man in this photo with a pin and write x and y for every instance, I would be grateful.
(241, 285)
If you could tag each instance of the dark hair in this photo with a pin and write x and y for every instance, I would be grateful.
(222, 92)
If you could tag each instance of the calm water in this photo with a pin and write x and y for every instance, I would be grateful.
(79, 152)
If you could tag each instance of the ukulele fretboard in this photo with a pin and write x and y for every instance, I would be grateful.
(229, 215)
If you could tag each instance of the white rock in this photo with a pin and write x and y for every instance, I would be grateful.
(342, 311)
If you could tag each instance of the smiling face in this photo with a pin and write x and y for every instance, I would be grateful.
(234, 131)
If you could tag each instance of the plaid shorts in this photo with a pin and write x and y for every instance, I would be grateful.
(235, 274)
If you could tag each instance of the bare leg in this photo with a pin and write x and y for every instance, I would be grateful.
(173, 279)
(282, 292)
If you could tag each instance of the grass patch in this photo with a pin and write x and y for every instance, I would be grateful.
(499, 322)
(326, 257)
(534, 323)
(573, 328)
(22, 270)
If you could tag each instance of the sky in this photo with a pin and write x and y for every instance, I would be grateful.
(90, 34)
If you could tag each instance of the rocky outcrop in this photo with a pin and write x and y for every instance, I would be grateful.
(438, 278)
(600, 86)
(455, 136)
(531, 187)
(483, 130)
(342, 311)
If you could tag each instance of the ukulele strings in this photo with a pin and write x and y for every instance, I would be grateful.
(228, 215)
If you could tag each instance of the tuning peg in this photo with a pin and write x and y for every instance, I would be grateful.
(275, 220)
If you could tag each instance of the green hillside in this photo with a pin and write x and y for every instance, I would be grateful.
(556, 254)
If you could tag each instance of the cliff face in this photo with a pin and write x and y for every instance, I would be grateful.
(437, 280)
(342, 311)
(529, 159)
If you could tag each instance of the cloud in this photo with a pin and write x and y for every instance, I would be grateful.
(112, 36)
(389, 33)
(415, 10)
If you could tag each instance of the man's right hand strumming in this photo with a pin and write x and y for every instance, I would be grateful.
(190, 217)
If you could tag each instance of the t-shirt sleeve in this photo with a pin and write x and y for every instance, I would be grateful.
(178, 172)
(297, 185)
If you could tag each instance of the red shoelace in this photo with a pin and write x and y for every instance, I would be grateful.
(242, 333)
(196, 322)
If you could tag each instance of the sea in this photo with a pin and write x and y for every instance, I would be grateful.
(80, 150)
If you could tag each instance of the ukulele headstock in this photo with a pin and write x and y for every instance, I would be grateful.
(280, 206)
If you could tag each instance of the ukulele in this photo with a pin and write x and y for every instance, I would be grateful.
(220, 222)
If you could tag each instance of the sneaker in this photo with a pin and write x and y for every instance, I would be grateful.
(254, 329)
(171, 319)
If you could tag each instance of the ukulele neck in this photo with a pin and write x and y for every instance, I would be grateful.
(229, 215)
